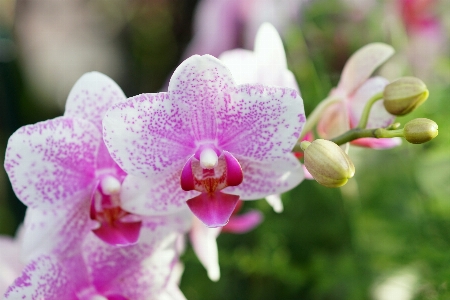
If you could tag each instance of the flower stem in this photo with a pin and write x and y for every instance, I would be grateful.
(366, 112)
(357, 133)
(314, 117)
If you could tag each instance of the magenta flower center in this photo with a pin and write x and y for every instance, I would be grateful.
(209, 171)
(116, 226)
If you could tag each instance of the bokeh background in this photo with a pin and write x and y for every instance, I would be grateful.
(385, 235)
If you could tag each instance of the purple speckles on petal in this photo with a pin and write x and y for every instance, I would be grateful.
(259, 122)
(267, 178)
(51, 162)
(149, 134)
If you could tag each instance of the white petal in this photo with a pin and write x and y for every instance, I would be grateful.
(262, 179)
(361, 65)
(91, 96)
(203, 241)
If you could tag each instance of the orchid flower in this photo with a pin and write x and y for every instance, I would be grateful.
(62, 169)
(423, 27)
(98, 270)
(220, 24)
(266, 65)
(207, 142)
(354, 90)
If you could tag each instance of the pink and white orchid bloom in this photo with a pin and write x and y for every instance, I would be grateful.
(206, 141)
(266, 65)
(62, 168)
(354, 90)
(97, 270)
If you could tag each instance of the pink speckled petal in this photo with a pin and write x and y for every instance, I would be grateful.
(266, 178)
(11, 264)
(244, 223)
(378, 143)
(213, 209)
(242, 64)
(261, 123)
(139, 271)
(149, 135)
(91, 96)
(48, 278)
(334, 121)
(378, 117)
(59, 231)
(361, 65)
(52, 163)
(203, 240)
(159, 195)
(201, 83)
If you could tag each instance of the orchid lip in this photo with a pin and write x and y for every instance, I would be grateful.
(209, 175)
(116, 226)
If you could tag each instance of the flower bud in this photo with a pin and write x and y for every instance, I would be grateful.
(328, 163)
(403, 95)
(420, 130)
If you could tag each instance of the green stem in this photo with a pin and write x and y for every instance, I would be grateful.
(314, 117)
(365, 114)
(357, 133)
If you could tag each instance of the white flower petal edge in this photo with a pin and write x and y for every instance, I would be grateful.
(203, 241)
(268, 178)
(361, 65)
(52, 163)
(91, 96)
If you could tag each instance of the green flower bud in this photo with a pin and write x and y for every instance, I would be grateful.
(328, 163)
(420, 130)
(403, 95)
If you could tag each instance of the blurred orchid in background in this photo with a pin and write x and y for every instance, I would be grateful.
(346, 102)
(423, 27)
(213, 134)
(222, 25)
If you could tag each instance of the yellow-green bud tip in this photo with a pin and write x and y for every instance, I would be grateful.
(328, 163)
(404, 95)
(420, 130)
